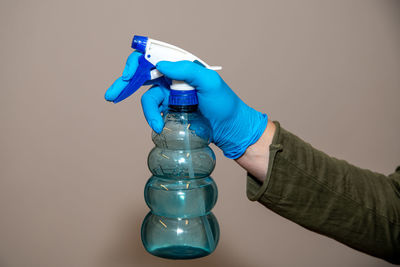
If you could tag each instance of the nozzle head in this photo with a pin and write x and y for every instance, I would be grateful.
(139, 43)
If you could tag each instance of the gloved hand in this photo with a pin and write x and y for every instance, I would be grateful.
(235, 125)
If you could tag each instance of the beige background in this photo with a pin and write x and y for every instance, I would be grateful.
(73, 167)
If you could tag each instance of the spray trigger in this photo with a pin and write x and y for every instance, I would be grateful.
(142, 74)
(153, 52)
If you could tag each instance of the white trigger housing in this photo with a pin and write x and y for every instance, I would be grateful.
(157, 51)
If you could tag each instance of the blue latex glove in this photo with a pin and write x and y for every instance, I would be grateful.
(235, 125)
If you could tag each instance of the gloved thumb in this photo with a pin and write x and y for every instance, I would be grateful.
(194, 74)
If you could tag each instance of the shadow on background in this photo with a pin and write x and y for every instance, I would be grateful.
(129, 251)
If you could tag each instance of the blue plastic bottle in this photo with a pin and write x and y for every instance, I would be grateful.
(181, 193)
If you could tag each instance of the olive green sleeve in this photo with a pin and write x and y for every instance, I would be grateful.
(357, 207)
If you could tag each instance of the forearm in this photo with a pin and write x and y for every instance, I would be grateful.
(357, 207)
(255, 159)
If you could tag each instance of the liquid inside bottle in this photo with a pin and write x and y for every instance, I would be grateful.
(181, 192)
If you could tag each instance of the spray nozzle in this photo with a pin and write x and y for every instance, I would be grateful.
(139, 43)
(153, 52)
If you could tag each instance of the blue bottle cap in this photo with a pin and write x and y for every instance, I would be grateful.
(139, 43)
(183, 98)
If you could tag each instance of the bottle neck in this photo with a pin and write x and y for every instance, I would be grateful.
(183, 108)
(183, 98)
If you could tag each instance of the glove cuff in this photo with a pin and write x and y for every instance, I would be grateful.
(244, 131)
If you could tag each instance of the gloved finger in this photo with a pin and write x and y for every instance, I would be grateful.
(115, 89)
(194, 74)
(130, 68)
(154, 102)
(131, 65)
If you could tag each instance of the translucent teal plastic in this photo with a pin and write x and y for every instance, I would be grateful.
(181, 193)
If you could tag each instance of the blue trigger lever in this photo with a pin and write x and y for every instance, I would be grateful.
(141, 76)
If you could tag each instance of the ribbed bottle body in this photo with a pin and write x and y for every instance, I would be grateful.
(181, 193)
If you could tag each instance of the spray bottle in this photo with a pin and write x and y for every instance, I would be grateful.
(180, 193)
